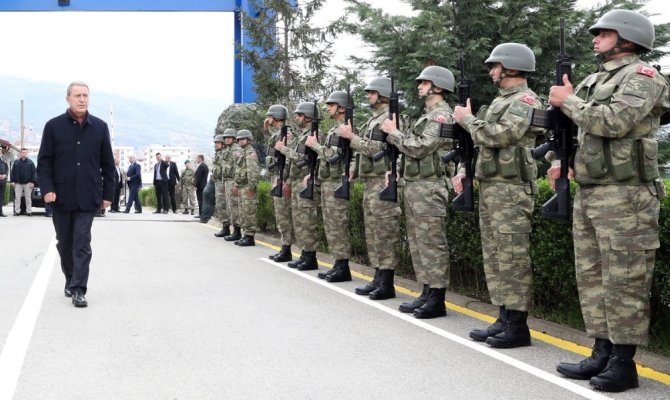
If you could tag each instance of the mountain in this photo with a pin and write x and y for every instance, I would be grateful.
(137, 123)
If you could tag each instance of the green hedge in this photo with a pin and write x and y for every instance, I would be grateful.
(5, 198)
(554, 291)
(148, 196)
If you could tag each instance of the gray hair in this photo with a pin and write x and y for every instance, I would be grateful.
(76, 83)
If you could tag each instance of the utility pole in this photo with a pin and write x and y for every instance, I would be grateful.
(111, 122)
(22, 125)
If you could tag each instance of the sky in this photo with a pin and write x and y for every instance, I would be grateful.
(180, 60)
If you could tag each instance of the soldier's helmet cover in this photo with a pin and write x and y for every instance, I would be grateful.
(630, 25)
(244, 134)
(513, 56)
(440, 76)
(338, 97)
(306, 108)
(229, 132)
(380, 85)
(277, 111)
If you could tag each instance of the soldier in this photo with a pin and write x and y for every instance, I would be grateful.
(506, 173)
(228, 175)
(277, 116)
(187, 188)
(247, 172)
(617, 203)
(426, 195)
(304, 211)
(381, 218)
(219, 193)
(335, 211)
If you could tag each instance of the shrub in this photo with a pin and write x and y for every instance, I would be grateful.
(148, 196)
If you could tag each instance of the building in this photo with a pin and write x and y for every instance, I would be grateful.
(179, 155)
(122, 153)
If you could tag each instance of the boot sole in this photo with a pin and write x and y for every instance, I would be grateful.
(429, 316)
(338, 280)
(610, 389)
(507, 346)
(575, 376)
(478, 338)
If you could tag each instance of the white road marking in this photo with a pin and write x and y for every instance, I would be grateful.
(556, 380)
(18, 339)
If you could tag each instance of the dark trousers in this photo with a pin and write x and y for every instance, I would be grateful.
(117, 197)
(134, 197)
(162, 196)
(3, 185)
(173, 199)
(73, 232)
(198, 195)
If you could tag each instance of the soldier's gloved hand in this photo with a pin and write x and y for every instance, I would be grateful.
(345, 131)
(457, 181)
(554, 172)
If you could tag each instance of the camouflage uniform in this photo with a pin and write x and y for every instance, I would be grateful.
(187, 189)
(219, 187)
(228, 172)
(617, 204)
(506, 172)
(247, 172)
(425, 194)
(282, 205)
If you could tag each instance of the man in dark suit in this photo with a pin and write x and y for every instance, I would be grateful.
(173, 178)
(75, 169)
(200, 179)
(160, 185)
(118, 187)
(134, 179)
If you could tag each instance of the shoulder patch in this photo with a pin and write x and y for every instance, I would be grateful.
(638, 87)
(528, 99)
(648, 71)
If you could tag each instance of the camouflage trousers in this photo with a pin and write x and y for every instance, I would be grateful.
(232, 203)
(188, 199)
(425, 210)
(335, 221)
(283, 219)
(248, 206)
(382, 222)
(221, 203)
(615, 232)
(505, 212)
(305, 216)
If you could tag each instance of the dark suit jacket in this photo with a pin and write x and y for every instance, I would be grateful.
(200, 177)
(163, 169)
(76, 162)
(174, 174)
(134, 175)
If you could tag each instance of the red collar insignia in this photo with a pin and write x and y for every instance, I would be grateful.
(644, 70)
(440, 119)
(528, 99)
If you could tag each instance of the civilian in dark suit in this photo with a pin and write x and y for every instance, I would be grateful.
(200, 179)
(160, 185)
(173, 178)
(76, 171)
(134, 177)
(118, 187)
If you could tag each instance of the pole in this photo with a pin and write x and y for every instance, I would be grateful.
(22, 125)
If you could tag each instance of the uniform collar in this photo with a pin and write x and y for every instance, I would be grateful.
(619, 62)
(513, 89)
(439, 104)
(381, 110)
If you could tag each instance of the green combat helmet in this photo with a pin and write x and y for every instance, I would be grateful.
(187, 162)
(338, 97)
(381, 86)
(306, 108)
(245, 134)
(277, 111)
(513, 56)
(229, 132)
(630, 25)
(218, 138)
(440, 76)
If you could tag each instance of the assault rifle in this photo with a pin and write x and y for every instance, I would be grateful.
(312, 161)
(561, 141)
(280, 164)
(464, 148)
(342, 191)
(390, 192)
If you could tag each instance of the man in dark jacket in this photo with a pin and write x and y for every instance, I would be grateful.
(4, 171)
(23, 178)
(173, 178)
(76, 173)
(200, 179)
(134, 177)
(160, 185)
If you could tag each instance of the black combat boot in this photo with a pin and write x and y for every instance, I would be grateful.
(480, 335)
(247, 240)
(515, 334)
(298, 262)
(341, 274)
(323, 275)
(385, 289)
(237, 234)
(185, 211)
(434, 307)
(283, 255)
(225, 231)
(370, 287)
(310, 263)
(589, 367)
(191, 211)
(620, 374)
(413, 305)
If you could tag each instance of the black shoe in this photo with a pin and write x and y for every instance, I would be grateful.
(127, 211)
(370, 287)
(342, 273)
(156, 212)
(323, 275)
(29, 214)
(78, 298)
(409, 307)
(165, 212)
(480, 335)
(1, 214)
(237, 235)
(138, 211)
(310, 263)
(434, 306)
(113, 211)
(385, 289)
(185, 211)
(204, 220)
(67, 292)
(515, 334)
(283, 255)
(620, 374)
(191, 211)
(225, 231)
(588, 367)
(246, 241)
(298, 262)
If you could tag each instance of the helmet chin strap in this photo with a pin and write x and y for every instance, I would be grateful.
(504, 74)
(602, 57)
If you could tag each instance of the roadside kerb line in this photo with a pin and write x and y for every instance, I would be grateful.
(18, 339)
(556, 380)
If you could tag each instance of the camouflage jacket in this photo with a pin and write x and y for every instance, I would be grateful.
(295, 153)
(618, 111)
(186, 180)
(270, 159)
(217, 165)
(326, 152)
(247, 167)
(228, 157)
(365, 147)
(504, 138)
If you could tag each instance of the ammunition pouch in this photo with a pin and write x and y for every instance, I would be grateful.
(427, 167)
(508, 163)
